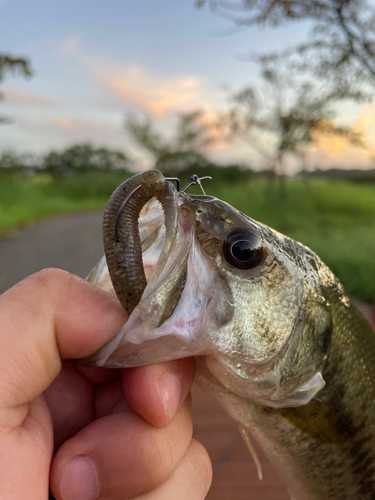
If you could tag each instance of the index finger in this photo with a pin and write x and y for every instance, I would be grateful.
(51, 315)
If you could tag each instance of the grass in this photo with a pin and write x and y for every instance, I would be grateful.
(336, 219)
(27, 199)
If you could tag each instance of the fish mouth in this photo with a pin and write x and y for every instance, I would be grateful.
(161, 297)
(121, 238)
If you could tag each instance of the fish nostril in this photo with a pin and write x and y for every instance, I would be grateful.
(184, 211)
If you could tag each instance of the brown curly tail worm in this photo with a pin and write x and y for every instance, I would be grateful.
(122, 243)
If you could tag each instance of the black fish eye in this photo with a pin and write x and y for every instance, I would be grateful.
(242, 249)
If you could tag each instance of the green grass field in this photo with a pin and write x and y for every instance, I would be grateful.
(336, 219)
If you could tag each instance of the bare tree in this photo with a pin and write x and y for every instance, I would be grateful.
(280, 116)
(187, 149)
(342, 39)
(13, 65)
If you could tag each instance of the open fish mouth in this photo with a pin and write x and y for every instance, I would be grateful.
(156, 271)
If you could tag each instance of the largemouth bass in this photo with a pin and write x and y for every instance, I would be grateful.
(278, 342)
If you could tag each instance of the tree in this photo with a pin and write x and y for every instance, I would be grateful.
(341, 42)
(281, 116)
(303, 83)
(83, 158)
(186, 150)
(12, 162)
(14, 65)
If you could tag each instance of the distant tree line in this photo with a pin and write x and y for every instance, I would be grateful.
(86, 158)
(75, 159)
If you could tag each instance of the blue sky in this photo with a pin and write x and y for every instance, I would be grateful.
(94, 61)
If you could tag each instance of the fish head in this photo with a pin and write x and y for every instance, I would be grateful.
(245, 299)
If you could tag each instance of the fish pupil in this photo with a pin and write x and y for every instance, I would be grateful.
(242, 250)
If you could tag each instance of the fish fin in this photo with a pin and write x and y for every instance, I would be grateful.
(315, 419)
(246, 437)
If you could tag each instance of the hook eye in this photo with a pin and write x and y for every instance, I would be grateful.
(176, 180)
(194, 179)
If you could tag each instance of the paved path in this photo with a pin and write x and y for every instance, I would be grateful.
(74, 243)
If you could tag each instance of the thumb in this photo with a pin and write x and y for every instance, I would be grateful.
(47, 317)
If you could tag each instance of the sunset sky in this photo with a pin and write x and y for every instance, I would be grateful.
(95, 61)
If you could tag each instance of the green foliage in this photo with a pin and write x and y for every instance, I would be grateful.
(14, 65)
(229, 174)
(27, 199)
(11, 162)
(84, 158)
(334, 218)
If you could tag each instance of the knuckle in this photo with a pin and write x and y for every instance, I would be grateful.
(164, 456)
(202, 468)
(49, 279)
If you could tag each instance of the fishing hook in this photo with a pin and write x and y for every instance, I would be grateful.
(194, 179)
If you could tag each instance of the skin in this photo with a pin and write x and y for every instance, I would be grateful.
(87, 432)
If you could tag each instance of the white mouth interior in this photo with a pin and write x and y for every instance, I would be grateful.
(152, 234)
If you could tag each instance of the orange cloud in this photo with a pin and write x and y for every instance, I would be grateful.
(337, 146)
(219, 134)
(15, 96)
(154, 94)
(67, 124)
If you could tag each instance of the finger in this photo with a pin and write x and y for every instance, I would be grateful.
(156, 391)
(119, 456)
(109, 398)
(70, 399)
(25, 459)
(190, 481)
(98, 375)
(57, 316)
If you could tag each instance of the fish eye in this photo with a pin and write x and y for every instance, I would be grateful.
(242, 249)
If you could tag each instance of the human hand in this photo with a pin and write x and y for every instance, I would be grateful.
(118, 434)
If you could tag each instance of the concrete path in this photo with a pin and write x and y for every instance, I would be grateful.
(74, 243)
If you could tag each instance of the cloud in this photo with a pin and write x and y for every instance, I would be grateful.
(15, 96)
(86, 130)
(156, 95)
(71, 47)
(70, 125)
(135, 85)
(336, 146)
(45, 133)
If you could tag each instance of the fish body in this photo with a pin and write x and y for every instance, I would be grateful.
(278, 341)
